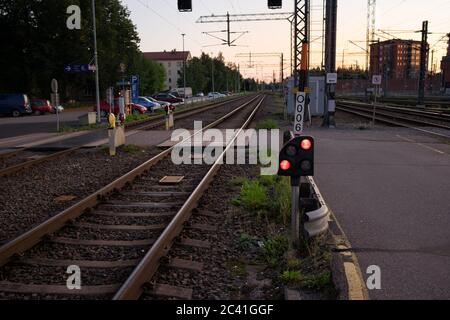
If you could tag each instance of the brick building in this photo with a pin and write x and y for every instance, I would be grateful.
(172, 61)
(445, 67)
(398, 61)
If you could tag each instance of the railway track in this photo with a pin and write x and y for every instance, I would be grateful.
(402, 118)
(20, 159)
(440, 106)
(117, 235)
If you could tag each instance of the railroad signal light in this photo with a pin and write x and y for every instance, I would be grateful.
(275, 4)
(285, 165)
(185, 5)
(306, 144)
(297, 158)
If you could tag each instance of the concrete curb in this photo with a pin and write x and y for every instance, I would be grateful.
(346, 271)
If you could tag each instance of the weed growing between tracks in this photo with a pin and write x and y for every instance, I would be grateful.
(267, 124)
(267, 198)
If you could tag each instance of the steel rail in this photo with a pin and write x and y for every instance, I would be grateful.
(32, 237)
(179, 114)
(21, 166)
(404, 110)
(388, 121)
(400, 116)
(11, 153)
(142, 274)
(154, 123)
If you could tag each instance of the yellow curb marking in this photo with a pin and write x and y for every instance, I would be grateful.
(355, 291)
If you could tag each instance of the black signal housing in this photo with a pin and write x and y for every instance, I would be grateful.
(275, 4)
(299, 153)
(185, 5)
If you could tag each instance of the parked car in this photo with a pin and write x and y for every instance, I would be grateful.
(216, 95)
(162, 103)
(41, 106)
(167, 97)
(200, 94)
(149, 104)
(14, 104)
(104, 108)
(180, 92)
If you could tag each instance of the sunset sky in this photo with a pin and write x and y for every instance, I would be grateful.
(160, 26)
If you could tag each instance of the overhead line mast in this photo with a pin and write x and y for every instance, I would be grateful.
(371, 28)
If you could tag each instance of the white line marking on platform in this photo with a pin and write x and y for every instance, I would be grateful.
(421, 144)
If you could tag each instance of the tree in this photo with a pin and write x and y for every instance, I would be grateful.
(199, 74)
(36, 44)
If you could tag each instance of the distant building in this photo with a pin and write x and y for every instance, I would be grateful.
(396, 59)
(172, 61)
(445, 67)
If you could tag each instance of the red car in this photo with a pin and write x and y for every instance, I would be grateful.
(41, 106)
(167, 97)
(104, 108)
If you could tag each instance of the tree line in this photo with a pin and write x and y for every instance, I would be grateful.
(200, 72)
(36, 44)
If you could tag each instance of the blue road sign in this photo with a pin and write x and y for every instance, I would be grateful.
(134, 87)
(77, 68)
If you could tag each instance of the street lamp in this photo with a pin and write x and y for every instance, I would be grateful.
(97, 85)
(184, 71)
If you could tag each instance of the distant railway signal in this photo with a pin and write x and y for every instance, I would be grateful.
(275, 4)
(185, 5)
(297, 158)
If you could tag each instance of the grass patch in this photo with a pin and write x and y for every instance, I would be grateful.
(267, 196)
(253, 197)
(267, 124)
(78, 105)
(70, 129)
(291, 276)
(281, 204)
(317, 282)
(131, 149)
(274, 249)
(136, 117)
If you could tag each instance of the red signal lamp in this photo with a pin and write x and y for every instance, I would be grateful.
(306, 144)
(285, 165)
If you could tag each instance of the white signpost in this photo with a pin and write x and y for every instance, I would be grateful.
(376, 81)
(55, 101)
(332, 78)
(300, 101)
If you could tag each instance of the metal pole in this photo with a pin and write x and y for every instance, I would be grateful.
(330, 60)
(375, 105)
(212, 74)
(97, 84)
(184, 73)
(423, 63)
(295, 221)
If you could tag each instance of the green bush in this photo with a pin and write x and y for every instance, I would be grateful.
(253, 196)
(274, 249)
(317, 282)
(291, 276)
(282, 199)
